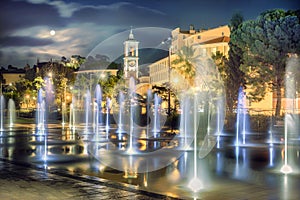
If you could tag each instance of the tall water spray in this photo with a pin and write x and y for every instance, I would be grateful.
(149, 100)
(241, 119)
(87, 107)
(121, 113)
(195, 183)
(2, 107)
(97, 113)
(72, 116)
(41, 112)
(107, 126)
(156, 125)
(131, 97)
(291, 118)
(219, 115)
(41, 122)
(49, 94)
(11, 112)
(181, 125)
(185, 120)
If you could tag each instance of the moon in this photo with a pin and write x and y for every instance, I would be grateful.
(52, 32)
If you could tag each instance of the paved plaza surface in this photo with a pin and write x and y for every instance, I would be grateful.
(19, 181)
(249, 172)
(26, 182)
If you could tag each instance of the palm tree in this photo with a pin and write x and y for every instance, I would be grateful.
(184, 63)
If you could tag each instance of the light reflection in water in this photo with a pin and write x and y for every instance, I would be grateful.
(219, 167)
(271, 164)
(239, 162)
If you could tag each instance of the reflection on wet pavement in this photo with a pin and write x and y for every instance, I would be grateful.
(250, 171)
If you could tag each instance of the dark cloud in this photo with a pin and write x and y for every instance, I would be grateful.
(15, 41)
(83, 24)
(20, 59)
(15, 15)
(122, 14)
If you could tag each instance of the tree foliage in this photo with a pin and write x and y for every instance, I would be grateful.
(183, 64)
(266, 43)
(108, 85)
(75, 62)
(230, 69)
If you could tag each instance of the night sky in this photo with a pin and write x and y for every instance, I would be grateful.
(80, 25)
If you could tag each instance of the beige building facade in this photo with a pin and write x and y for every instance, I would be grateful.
(192, 37)
(204, 43)
(11, 78)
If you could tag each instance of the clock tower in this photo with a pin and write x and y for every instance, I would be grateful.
(131, 57)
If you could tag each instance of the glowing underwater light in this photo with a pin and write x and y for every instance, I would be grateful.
(286, 169)
(195, 185)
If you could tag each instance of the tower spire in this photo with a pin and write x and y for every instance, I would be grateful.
(131, 37)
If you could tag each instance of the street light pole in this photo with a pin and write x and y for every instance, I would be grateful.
(169, 42)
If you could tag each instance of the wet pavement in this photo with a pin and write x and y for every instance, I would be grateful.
(59, 166)
(22, 181)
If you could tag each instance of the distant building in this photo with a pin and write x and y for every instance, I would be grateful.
(210, 47)
(12, 74)
(204, 42)
(191, 37)
(131, 65)
(131, 57)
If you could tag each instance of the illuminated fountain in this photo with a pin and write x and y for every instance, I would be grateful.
(41, 123)
(108, 106)
(2, 108)
(40, 113)
(207, 108)
(11, 112)
(87, 109)
(286, 168)
(241, 119)
(131, 97)
(133, 147)
(121, 115)
(185, 120)
(72, 117)
(195, 183)
(291, 118)
(98, 101)
(219, 116)
(97, 112)
(45, 100)
(149, 100)
(156, 127)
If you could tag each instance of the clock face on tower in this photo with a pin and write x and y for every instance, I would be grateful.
(132, 63)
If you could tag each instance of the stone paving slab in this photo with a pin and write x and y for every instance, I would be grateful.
(26, 182)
